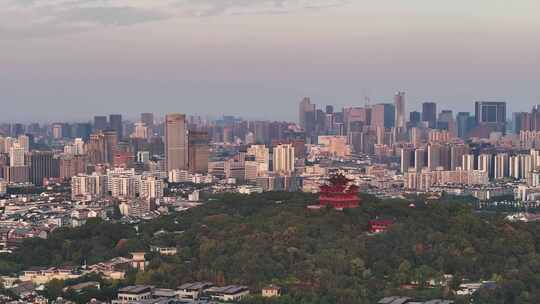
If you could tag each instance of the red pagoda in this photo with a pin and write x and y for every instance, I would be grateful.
(339, 193)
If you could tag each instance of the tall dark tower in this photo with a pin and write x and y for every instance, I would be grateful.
(100, 123)
(43, 165)
(429, 113)
(148, 120)
(115, 123)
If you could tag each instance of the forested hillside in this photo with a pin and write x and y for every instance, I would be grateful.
(322, 256)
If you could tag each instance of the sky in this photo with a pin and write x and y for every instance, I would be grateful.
(67, 60)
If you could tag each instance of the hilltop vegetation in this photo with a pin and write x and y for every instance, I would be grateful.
(322, 256)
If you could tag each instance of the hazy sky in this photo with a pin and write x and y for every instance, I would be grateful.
(71, 59)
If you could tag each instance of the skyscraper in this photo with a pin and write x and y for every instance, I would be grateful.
(43, 165)
(462, 121)
(329, 109)
(176, 143)
(485, 163)
(283, 159)
(101, 147)
(16, 155)
(83, 130)
(262, 157)
(407, 159)
(399, 104)
(415, 118)
(115, 123)
(111, 143)
(382, 115)
(501, 165)
(434, 156)
(100, 123)
(429, 113)
(198, 151)
(148, 120)
(490, 112)
(521, 122)
(467, 163)
(490, 117)
(306, 116)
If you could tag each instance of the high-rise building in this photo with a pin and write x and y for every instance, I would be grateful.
(419, 159)
(16, 175)
(283, 159)
(490, 112)
(518, 122)
(329, 109)
(490, 117)
(429, 114)
(111, 143)
(115, 123)
(198, 151)
(463, 124)
(262, 157)
(16, 155)
(151, 188)
(261, 131)
(399, 104)
(101, 146)
(71, 165)
(407, 158)
(467, 162)
(485, 163)
(514, 167)
(356, 115)
(57, 130)
(456, 155)
(78, 146)
(24, 142)
(176, 142)
(307, 116)
(83, 130)
(434, 156)
(94, 185)
(415, 117)
(148, 120)
(43, 165)
(17, 129)
(501, 165)
(383, 115)
(534, 118)
(141, 131)
(100, 123)
(525, 165)
(143, 157)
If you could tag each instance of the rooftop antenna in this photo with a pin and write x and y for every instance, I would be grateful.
(366, 98)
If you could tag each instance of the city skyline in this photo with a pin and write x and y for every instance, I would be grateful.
(257, 58)
(269, 151)
(159, 115)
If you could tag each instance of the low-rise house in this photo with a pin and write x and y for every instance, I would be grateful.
(39, 275)
(271, 291)
(228, 293)
(130, 294)
(160, 293)
(193, 290)
(467, 289)
(168, 251)
(113, 269)
(81, 286)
